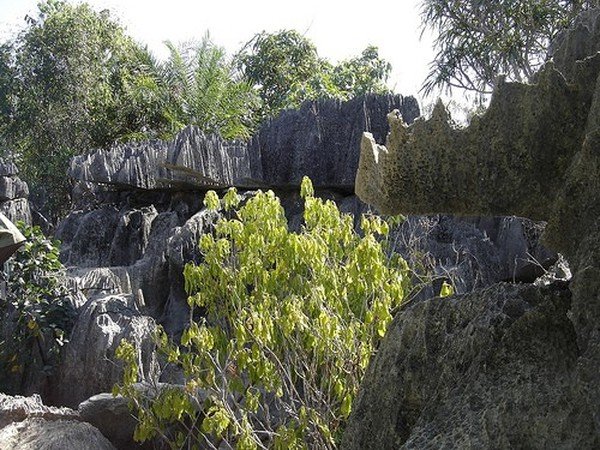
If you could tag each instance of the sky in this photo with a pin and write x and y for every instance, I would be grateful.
(339, 29)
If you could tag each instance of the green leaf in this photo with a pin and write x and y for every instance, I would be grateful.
(446, 290)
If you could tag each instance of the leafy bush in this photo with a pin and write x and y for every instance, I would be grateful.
(37, 307)
(290, 323)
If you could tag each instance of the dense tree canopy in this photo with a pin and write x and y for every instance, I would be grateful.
(65, 69)
(286, 70)
(478, 40)
(203, 89)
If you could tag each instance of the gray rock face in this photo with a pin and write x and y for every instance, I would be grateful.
(192, 159)
(88, 237)
(182, 248)
(135, 251)
(88, 365)
(17, 210)
(120, 251)
(491, 369)
(27, 424)
(17, 409)
(321, 139)
(195, 159)
(473, 253)
(112, 417)
(130, 165)
(13, 194)
(576, 43)
(12, 188)
(40, 434)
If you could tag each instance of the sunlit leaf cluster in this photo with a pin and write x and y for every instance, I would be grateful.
(291, 320)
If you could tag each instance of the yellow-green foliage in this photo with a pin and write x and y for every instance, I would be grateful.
(291, 321)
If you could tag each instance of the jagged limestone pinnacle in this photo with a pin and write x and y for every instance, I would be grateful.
(513, 160)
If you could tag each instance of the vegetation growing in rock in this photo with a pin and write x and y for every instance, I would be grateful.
(37, 309)
(291, 321)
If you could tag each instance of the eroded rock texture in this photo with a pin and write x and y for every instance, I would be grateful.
(139, 217)
(192, 158)
(508, 366)
(13, 194)
(88, 365)
(320, 140)
(491, 369)
(27, 424)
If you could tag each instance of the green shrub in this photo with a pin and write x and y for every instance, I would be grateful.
(37, 308)
(290, 323)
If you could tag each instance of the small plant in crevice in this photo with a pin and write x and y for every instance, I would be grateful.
(291, 322)
(37, 308)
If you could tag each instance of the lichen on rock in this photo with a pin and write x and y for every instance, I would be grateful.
(530, 377)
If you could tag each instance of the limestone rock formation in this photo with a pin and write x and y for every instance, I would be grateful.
(490, 369)
(137, 227)
(111, 415)
(27, 424)
(182, 248)
(40, 434)
(321, 139)
(18, 408)
(139, 217)
(507, 366)
(191, 159)
(88, 365)
(13, 194)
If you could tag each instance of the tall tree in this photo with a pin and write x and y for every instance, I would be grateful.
(286, 69)
(279, 64)
(364, 74)
(204, 89)
(73, 81)
(477, 40)
(62, 101)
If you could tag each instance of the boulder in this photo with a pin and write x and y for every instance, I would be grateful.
(27, 424)
(88, 365)
(40, 434)
(111, 415)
